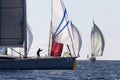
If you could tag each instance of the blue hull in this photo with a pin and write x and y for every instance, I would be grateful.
(41, 63)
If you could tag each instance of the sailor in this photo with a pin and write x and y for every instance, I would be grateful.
(38, 52)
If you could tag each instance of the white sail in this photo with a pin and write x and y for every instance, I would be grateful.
(62, 30)
(60, 22)
(77, 40)
(97, 41)
(29, 38)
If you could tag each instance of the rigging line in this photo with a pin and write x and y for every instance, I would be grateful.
(38, 46)
(61, 21)
(71, 40)
(16, 51)
(44, 50)
(62, 29)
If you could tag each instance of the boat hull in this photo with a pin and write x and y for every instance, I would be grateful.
(92, 59)
(40, 63)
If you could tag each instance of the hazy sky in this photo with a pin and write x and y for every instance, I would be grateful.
(106, 14)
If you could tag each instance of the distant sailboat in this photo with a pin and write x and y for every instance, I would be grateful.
(97, 43)
(64, 41)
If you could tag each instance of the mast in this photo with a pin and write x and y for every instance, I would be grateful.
(50, 39)
(69, 50)
(25, 28)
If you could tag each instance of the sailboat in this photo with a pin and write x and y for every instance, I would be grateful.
(97, 43)
(64, 40)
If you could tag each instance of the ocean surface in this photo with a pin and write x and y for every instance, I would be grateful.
(99, 70)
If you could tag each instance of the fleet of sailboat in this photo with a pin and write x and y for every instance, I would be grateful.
(64, 42)
(64, 39)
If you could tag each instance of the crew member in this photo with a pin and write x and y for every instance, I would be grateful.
(38, 52)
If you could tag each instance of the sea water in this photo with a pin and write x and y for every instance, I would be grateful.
(99, 70)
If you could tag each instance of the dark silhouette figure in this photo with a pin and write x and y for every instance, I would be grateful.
(69, 50)
(38, 52)
(6, 52)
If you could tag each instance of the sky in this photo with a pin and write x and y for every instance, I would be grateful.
(105, 13)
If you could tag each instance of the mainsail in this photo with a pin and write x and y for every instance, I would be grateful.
(14, 31)
(12, 22)
(64, 33)
(97, 41)
(29, 43)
